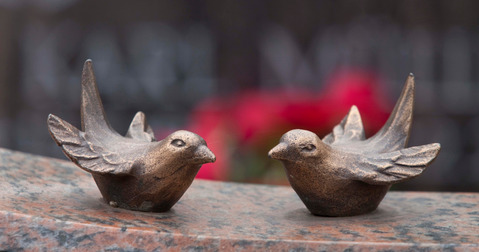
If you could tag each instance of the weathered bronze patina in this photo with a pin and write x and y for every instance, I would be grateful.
(134, 171)
(346, 174)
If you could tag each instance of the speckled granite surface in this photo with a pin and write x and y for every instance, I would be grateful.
(48, 204)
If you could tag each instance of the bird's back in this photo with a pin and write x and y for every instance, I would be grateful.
(394, 135)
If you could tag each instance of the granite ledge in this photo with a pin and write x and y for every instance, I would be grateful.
(50, 204)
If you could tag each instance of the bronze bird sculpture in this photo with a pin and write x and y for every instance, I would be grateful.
(345, 174)
(133, 171)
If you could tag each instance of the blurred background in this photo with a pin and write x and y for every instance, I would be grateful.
(242, 73)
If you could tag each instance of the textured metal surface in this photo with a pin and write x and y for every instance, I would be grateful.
(48, 204)
(346, 174)
(136, 171)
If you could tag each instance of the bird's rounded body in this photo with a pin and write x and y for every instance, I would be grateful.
(327, 194)
(146, 193)
(159, 178)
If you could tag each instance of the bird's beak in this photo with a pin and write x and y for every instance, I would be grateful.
(204, 155)
(278, 152)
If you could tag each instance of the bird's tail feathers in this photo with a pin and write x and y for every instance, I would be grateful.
(394, 134)
(92, 112)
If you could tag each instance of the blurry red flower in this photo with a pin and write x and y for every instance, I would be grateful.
(246, 125)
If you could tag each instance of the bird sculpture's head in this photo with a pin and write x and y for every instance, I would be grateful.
(178, 150)
(298, 146)
(185, 146)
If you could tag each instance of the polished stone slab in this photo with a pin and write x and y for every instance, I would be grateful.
(49, 204)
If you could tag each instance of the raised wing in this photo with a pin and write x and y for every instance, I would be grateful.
(139, 129)
(99, 148)
(393, 167)
(87, 152)
(394, 135)
(350, 129)
(93, 117)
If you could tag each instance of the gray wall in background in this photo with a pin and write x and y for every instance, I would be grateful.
(162, 57)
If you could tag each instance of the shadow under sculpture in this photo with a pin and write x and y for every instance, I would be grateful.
(135, 171)
(345, 174)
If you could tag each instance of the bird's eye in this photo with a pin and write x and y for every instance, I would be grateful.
(309, 148)
(178, 143)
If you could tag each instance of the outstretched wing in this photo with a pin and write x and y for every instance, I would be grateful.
(92, 154)
(139, 129)
(394, 167)
(350, 129)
